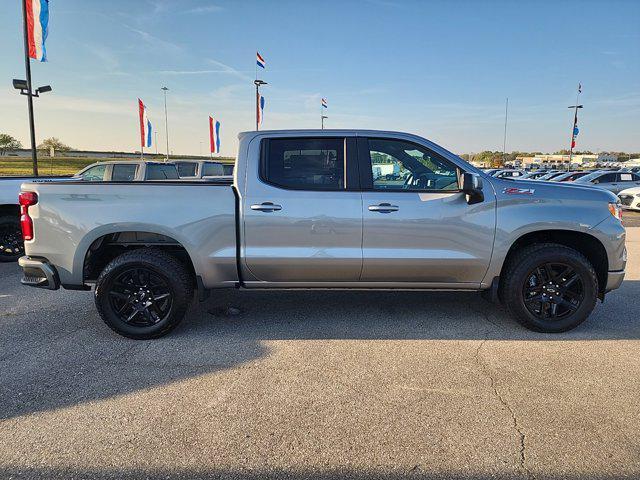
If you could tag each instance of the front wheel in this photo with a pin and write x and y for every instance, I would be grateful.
(549, 288)
(143, 293)
(11, 244)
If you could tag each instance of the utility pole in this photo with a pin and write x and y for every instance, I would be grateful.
(574, 128)
(257, 83)
(166, 120)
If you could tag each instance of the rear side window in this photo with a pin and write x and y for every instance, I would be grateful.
(628, 177)
(124, 173)
(187, 169)
(156, 171)
(212, 170)
(304, 163)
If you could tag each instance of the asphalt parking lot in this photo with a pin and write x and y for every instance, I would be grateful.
(319, 385)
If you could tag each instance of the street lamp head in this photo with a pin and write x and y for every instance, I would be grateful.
(259, 82)
(19, 84)
(44, 89)
(165, 89)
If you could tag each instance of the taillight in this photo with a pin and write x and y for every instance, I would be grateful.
(26, 199)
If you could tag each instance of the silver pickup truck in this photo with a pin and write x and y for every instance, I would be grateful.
(306, 211)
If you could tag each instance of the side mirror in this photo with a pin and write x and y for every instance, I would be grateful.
(472, 187)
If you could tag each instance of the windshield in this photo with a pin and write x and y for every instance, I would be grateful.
(588, 178)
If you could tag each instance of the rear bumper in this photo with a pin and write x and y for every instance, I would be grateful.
(614, 280)
(37, 272)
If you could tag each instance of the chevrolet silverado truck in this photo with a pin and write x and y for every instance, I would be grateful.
(305, 211)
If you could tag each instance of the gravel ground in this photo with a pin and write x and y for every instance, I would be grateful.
(319, 385)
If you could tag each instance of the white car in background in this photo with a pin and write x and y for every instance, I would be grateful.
(630, 198)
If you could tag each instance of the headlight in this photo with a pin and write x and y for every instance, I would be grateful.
(615, 210)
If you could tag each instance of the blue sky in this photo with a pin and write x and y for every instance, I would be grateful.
(440, 69)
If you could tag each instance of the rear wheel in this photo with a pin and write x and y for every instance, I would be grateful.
(11, 243)
(143, 294)
(549, 288)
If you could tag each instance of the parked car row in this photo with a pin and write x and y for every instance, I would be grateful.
(11, 244)
(613, 180)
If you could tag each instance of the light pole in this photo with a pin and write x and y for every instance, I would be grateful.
(257, 83)
(322, 117)
(166, 120)
(156, 139)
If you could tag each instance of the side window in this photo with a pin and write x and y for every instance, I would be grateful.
(187, 169)
(626, 177)
(401, 166)
(304, 163)
(95, 174)
(157, 171)
(212, 170)
(123, 173)
(606, 178)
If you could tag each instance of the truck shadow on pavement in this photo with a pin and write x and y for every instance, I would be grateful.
(272, 473)
(55, 360)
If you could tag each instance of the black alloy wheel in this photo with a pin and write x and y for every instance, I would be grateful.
(144, 293)
(11, 243)
(549, 287)
(140, 297)
(553, 291)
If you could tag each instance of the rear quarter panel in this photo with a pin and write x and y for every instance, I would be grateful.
(70, 217)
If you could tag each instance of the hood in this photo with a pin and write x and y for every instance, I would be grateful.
(630, 191)
(551, 190)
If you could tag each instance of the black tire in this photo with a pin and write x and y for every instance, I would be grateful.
(155, 309)
(11, 244)
(543, 275)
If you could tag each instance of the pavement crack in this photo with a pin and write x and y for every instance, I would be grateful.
(516, 424)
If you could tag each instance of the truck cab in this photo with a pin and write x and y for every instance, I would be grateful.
(128, 171)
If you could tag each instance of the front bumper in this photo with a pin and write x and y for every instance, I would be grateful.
(37, 272)
(614, 280)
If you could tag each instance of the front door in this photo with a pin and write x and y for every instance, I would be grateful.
(417, 225)
(302, 212)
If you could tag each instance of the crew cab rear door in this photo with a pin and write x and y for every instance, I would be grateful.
(302, 212)
(417, 224)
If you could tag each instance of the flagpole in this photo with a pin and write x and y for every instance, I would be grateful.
(27, 64)
(166, 120)
(573, 127)
(504, 140)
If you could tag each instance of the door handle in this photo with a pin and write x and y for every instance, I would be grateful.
(266, 207)
(383, 208)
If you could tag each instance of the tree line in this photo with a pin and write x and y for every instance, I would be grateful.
(7, 142)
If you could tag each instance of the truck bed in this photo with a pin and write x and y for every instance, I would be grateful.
(71, 217)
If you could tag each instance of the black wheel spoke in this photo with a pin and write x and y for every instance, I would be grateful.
(568, 305)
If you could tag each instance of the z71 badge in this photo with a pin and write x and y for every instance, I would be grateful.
(519, 191)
